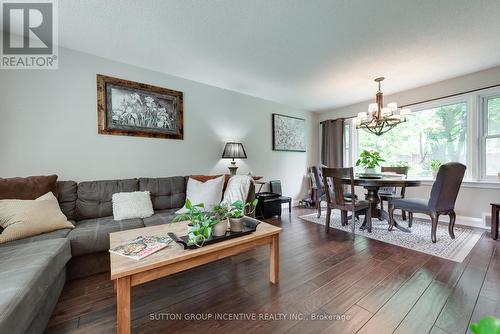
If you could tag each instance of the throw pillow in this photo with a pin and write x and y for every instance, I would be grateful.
(205, 178)
(30, 187)
(136, 204)
(25, 218)
(209, 193)
(237, 188)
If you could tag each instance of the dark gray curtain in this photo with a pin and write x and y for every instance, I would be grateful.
(332, 143)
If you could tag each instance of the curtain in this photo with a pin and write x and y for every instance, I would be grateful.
(332, 143)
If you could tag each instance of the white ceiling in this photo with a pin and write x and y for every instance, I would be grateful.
(313, 55)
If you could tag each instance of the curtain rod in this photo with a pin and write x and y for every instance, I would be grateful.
(442, 97)
(451, 95)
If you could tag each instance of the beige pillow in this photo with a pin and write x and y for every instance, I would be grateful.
(25, 218)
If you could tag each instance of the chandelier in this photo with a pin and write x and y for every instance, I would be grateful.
(380, 119)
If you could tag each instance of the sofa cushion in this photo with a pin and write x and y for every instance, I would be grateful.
(30, 187)
(63, 233)
(21, 218)
(94, 197)
(166, 192)
(160, 217)
(67, 198)
(28, 271)
(136, 204)
(92, 235)
(205, 178)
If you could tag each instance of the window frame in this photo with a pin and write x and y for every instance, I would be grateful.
(483, 132)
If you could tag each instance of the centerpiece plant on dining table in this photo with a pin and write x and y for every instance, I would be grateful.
(369, 160)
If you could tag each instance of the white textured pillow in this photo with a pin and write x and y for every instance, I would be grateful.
(237, 188)
(25, 218)
(209, 193)
(136, 204)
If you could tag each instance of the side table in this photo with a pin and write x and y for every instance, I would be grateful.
(495, 209)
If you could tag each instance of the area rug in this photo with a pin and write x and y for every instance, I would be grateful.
(419, 239)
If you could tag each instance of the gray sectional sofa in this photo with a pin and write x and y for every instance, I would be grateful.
(33, 270)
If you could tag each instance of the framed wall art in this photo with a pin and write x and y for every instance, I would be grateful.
(127, 108)
(289, 133)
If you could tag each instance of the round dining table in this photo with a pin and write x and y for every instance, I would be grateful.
(373, 185)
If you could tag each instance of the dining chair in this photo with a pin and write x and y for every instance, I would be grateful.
(320, 189)
(390, 193)
(336, 199)
(444, 193)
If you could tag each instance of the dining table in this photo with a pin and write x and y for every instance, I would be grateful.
(373, 185)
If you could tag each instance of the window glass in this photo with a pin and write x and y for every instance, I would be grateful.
(492, 156)
(433, 134)
(494, 116)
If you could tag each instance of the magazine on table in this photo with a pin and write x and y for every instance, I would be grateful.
(141, 247)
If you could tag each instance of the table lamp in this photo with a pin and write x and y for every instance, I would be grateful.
(234, 151)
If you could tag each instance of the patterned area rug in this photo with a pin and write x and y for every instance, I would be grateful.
(419, 239)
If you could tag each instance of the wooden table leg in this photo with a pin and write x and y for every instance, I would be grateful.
(274, 260)
(494, 222)
(123, 305)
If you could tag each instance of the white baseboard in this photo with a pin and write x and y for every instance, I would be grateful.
(461, 220)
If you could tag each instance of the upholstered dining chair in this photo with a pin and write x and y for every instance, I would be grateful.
(320, 189)
(336, 199)
(442, 200)
(390, 193)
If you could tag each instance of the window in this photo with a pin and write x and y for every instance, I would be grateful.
(437, 133)
(491, 137)
(463, 128)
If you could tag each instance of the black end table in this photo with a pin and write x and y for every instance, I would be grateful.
(495, 208)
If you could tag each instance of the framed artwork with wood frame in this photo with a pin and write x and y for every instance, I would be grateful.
(128, 108)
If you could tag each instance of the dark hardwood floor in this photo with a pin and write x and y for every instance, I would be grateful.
(380, 288)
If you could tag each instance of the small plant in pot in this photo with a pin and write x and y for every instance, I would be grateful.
(369, 160)
(201, 223)
(435, 164)
(221, 212)
(238, 211)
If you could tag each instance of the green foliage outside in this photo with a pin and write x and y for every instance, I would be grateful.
(433, 134)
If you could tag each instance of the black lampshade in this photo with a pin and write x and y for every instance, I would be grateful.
(234, 151)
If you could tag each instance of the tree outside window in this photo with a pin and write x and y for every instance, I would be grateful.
(432, 134)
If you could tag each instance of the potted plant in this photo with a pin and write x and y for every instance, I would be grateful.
(221, 212)
(369, 160)
(487, 325)
(435, 164)
(237, 212)
(201, 223)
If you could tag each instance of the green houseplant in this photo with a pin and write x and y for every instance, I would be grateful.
(369, 160)
(221, 212)
(487, 325)
(238, 210)
(435, 164)
(201, 223)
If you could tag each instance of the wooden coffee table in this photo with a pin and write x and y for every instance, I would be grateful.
(127, 273)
